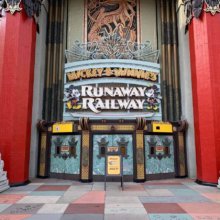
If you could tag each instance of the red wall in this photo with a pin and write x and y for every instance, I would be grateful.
(17, 55)
(2, 43)
(205, 65)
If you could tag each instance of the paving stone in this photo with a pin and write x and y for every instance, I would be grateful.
(189, 183)
(126, 216)
(10, 198)
(205, 217)
(35, 184)
(52, 181)
(45, 217)
(4, 206)
(47, 193)
(52, 188)
(92, 197)
(82, 217)
(85, 209)
(110, 187)
(126, 193)
(212, 196)
(184, 192)
(123, 205)
(39, 199)
(166, 186)
(201, 208)
(24, 193)
(128, 187)
(125, 210)
(14, 217)
(71, 196)
(63, 183)
(22, 209)
(159, 192)
(25, 188)
(52, 209)
(98, 187)
(80, 188)
(160, 183)
(170, 216)
(163, 208)
(204, 189)
(125, 199)
(174, 199)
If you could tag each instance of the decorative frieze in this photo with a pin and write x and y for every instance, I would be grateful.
(194, 8)
(31, 7)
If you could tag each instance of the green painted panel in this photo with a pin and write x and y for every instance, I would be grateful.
(60, 162)
(159, 154)
(108, 141)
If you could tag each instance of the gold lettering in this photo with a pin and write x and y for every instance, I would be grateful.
(93, 73)
(153, 76)
(70, 76)
(84, 73)
(142, 74)
(79, 74)
(117, 72)
(100, 71)
(128, 72)
(139, 74)
(146, 75)
(108, 71)
(123, 72)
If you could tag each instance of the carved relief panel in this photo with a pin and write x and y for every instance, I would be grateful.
(115, 18)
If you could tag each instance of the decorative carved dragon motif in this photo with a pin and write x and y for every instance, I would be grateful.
(111, 16)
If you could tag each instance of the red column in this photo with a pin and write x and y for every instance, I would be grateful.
(17, 55)
(204, 35)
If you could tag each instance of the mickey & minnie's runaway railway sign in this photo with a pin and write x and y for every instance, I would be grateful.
(112, 90)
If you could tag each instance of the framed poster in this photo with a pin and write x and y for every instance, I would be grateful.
(113, 165)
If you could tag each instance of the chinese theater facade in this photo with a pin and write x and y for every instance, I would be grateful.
(97, 75)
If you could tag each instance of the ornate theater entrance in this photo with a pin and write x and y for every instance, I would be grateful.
(101, 143)
(115, 94)
(150, 150)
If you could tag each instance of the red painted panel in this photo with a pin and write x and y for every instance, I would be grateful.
(16, 95)
(2, 40)
(205, 65)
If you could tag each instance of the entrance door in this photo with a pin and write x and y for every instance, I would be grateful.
(159, 156)
(65, 156)
(102, 141)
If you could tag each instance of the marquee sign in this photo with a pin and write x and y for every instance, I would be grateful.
(112, 90)
(112, 72)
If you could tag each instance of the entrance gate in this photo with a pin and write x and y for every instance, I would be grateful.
(103, 141)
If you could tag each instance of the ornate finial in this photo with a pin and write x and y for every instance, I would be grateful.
(212, 6)
(13, 6)
(103, 142)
